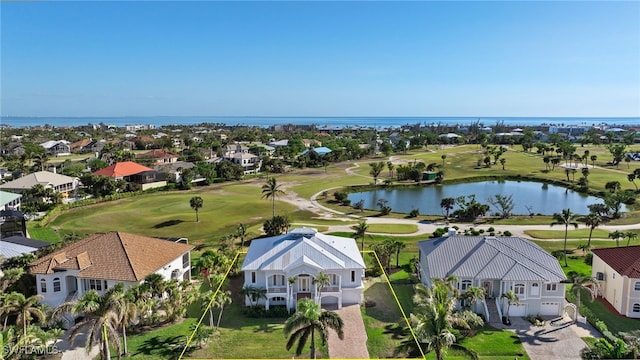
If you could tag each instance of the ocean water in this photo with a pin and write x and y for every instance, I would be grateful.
(265, 121)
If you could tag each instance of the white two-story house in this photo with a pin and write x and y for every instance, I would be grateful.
(618, 273)
(497, 264)
(287, 265)
(103, 260)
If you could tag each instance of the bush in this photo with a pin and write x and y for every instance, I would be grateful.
(588, 259)
(491, 229)
(506, 233)
(373, 272)
(276, 311)
(386, 210)
(414, 213)
(346, 202)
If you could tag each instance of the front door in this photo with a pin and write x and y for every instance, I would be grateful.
(304, 284)
(487, 288)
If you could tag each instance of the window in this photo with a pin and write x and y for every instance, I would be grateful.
(636, 307)
(334, 279)
(277, 280)
(56, 285)
(519, 289)
(552, 287)
(636, 286)
(253, 277)
(43, 285)
(185, 260)
(91, 284)
(535, 289)
(353, 276)
(465, 284)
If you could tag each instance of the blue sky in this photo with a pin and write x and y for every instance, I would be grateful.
(320, 58)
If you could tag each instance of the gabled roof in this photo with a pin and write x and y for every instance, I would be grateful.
(505, 258)
(625, 260)
(113, 255)
(7, 197)
(120, 169)
(303, 247)
(41, 177)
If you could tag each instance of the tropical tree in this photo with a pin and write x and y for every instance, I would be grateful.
(612, 186)
(210, 263)
(566, 218)
(579, 284)
(99, 322)
(632, 179)
(616, 235)
(155, 284)
(447, 204)
(376, 169)
(26, 309)
(435, 318)
(124, 305)
(512, 299)
(593, 220)
(254, 294)
(196, 203)
(443, 157)
(212, 299)
(360, 231)
(630, 235)
(320, 281)
(472, 295)
(241, 232)
(390, 166)
(398, 246)
(271, 190)
(309, 318)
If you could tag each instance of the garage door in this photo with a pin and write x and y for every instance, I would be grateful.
(518, 310)
(549, 308)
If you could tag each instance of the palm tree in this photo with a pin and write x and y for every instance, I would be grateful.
(271, 190)
(616, 235)
(443, 157)
(196, 203)
(592, 220)
(376, 169)
(321, 280)
(254, 294)
(100, 321)
(211, 299)
(512, 299)
(630, 235)
(306, 321)
(26, 308)
(242, 232)
(398, 246)
(156, 284)
(566, 218)
(360, 231)
(473, 294)
(435, 318)
(447, 204)
(580, 283)
(126, 309)
(210, 263)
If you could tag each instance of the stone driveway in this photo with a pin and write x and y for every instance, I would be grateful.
(354, 344)
(561, 340)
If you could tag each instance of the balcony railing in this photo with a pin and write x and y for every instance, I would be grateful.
(280, 290)
(328, 289)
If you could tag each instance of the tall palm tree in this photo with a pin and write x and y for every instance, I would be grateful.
(398, 246)
(630, 235)
(254, 294)
(124, 305)
(306, 321)
(592, 220)
(210, 263)
(100, 321)
(272, 190)
(156, 284)
(26, 308)
(242, 232)
(473, 294)
(616, 235)
(196, 203)
(566, 218)
(320, 281)
(512, 299)
(580, 283)
(360, 231)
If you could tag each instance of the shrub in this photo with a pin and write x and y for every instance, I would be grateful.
(386, 210)
(340, 196)
(588, 259)
(346, 202)
(506, 233)
(491, 229)
(414, 213)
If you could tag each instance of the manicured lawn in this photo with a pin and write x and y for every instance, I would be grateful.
(163, 343)
(571, 234)
(490, 343)
(42, 233)
(614, 322)
(393, 228)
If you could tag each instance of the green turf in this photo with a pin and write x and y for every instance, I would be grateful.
(42, 233)
(393, 228)
(571, 234)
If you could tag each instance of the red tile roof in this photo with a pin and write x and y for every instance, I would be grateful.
(112, 256)
(120, 169)
(625, 260)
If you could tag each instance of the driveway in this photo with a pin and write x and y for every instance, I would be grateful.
(354, 344)
(561, 340)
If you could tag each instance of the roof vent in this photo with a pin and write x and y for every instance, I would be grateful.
(303, 231)
(452, 232)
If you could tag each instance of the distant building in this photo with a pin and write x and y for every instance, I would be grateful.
(9, 201)
(138, 127)
(16, 245)
(65, 185)
(57, 147)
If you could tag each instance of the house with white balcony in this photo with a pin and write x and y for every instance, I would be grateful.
(103, 260)
(287, 265)
(497, 264)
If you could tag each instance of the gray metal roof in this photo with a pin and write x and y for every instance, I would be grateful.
(7, 197)
(504, 258)
(303, 247)
(9, 250)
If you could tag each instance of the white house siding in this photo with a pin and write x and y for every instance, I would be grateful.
(612, 284)
(634, 299)
(181, 270)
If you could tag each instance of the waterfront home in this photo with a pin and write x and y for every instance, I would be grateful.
(286, 266)
(497, 264)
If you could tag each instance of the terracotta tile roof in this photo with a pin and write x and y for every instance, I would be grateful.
(625, 260)
(113, 256)
(120, 169)
(157, 154)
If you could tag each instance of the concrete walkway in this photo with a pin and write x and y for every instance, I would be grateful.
(354, 344)
(561, 340)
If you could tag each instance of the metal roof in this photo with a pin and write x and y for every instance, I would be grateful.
(303, 247)
(504, 258)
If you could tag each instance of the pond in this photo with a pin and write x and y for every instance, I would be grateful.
(528, 197)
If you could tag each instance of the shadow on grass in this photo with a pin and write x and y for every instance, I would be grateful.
(162, 347)
(167, 223)
(396, 331)
(265, 327)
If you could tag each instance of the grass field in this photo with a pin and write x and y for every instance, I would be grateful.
(393, 228)
(571, 234)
